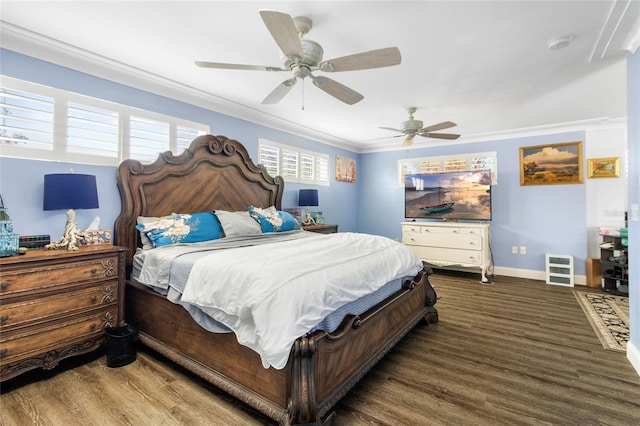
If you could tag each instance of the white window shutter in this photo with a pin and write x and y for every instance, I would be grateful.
(26, 120)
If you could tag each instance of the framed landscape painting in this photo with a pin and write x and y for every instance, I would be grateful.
(603, 167)
(552, 164)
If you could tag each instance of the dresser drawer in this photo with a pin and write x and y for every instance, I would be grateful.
(463, 242)
(39, 340)
(38, 279)
(411, 229)
(36, 310)
(448, 256)
(440, 230)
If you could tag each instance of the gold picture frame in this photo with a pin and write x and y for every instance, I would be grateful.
(608, 167)
(551, 164)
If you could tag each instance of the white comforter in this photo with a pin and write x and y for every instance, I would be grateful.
(270, 295)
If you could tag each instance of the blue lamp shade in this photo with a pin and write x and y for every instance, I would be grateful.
(70, 191)
(308, 197)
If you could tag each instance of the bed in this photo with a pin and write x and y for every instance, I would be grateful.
(216, 173)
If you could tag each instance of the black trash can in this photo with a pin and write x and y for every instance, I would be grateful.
(121, 345)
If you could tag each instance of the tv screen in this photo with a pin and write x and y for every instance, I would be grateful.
(448, 196)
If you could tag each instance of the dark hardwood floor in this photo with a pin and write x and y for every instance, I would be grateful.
(518, 352)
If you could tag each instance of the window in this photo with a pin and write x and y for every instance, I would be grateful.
(41, 122)
(459, 163)
(26, 120)
(293, 164)
(92, 131)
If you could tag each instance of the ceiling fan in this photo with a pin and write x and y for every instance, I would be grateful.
(413, 127)
(302, 57)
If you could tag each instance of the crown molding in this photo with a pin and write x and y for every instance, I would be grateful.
(620, 33)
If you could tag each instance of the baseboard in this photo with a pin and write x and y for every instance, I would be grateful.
(533, 274)
(633, 355)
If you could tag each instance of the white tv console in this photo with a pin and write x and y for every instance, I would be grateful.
(450, 244)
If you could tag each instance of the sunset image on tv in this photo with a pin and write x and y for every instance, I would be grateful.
(449, 196)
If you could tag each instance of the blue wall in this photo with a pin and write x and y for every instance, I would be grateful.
(545, 219)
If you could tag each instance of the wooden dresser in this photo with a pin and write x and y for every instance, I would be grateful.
(450, 245)
(321, 229)
(56, 303)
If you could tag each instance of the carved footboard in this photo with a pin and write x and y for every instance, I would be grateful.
(327, 366)
(322, 367)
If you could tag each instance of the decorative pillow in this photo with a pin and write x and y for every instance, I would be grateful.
(180, 228)
(142, 220)
(237, 223)
(272, 220)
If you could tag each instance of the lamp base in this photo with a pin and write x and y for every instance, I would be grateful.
(308, 221)
(71, 234)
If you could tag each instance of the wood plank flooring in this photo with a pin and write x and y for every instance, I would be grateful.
(518, 352)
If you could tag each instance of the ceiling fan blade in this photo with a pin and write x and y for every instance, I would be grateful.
(280, 91)
(439, 126)
(409, 140)
(222, 65)
(284, 32)
(440, 135)
(391, 128)
(337, 90)
(362, 61)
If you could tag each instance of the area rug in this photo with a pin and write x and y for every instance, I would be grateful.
(609, 317)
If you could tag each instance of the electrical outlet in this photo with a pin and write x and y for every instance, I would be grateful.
(514, 249)
(523, 250)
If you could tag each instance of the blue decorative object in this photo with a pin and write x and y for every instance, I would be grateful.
(70, 191)
(8, 240)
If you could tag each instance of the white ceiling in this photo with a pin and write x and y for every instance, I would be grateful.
(482, 64)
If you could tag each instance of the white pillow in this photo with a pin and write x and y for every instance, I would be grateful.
(238, 223)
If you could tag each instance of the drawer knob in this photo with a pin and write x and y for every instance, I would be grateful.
(92, 326)
(3, 351)
(94, 270)
(4, 317)
(93, 299)
(4, 285)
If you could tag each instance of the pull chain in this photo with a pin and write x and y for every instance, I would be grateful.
(303, 94)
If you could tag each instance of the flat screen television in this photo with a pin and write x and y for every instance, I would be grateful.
(448, 196)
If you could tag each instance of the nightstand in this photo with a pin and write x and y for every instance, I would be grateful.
(55, 304)
(321, 229)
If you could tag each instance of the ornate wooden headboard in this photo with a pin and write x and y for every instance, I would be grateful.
(213, 173)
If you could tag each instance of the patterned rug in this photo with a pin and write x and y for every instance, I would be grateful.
(609, 317)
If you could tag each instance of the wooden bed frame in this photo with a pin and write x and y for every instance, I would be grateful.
(217, 173)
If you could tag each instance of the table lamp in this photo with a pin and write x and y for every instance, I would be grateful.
(308, 197)
(69, 191)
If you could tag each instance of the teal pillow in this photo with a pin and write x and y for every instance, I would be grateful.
(182, 228)
(272, 220)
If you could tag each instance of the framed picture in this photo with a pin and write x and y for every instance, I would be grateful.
(295, 212)
(552, 164)
(603, 167)
(345, 169)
